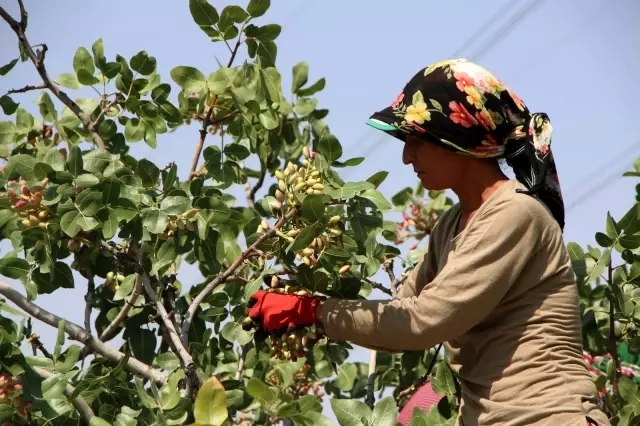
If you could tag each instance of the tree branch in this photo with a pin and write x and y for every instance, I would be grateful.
(613, 341)
(80, 404)
(207, 119)
(388, 266)
(251, 192)
(378, 286)
(27, 88)
(36, 344)
(183, 354)
(88, 299)
(79, 334)
(370, 400)
(220, 279)
(38, 61)
(109, 332)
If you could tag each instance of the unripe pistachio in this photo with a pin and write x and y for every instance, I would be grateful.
(306, 152)
(344, 269)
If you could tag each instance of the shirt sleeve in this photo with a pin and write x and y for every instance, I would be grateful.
(493, 252)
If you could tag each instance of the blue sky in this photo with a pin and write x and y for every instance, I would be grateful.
(575, 60)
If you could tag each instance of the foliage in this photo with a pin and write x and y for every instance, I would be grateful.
(76, 206)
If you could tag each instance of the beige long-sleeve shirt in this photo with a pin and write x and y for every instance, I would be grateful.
(501, 295)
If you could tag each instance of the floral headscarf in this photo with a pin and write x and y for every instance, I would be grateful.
(467, 109)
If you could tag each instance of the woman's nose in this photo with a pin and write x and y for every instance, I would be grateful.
(407, 156)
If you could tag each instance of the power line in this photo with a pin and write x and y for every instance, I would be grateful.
(608, 178)
(498, 35)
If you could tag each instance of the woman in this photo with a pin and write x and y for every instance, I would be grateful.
(496, 283)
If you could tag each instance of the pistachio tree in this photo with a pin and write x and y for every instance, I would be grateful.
(78, 210)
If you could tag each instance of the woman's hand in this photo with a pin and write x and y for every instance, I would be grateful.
(275, 311)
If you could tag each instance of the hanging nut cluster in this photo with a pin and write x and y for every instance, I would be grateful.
(299, 180)
(114, 280)
(177, 223)
(28, 205)
(301, 386)
(10, 391)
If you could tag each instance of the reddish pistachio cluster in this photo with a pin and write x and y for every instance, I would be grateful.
(417, 223)
(301, 385)
(10, 391)
(27, 203)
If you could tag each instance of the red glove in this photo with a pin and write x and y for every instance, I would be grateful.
(279, 311)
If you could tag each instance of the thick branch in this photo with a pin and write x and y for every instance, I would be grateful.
(81, 405)
(27, 88)
(378, 286)
(388, 266)
(221, 279)
(79, 334)
(207, 119)
(38, 61)
(88, 299)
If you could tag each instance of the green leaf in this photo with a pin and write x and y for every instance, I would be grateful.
(377, 178)
(273, 83)
(603, 240)
(24, 120)
(168, 361)
(230, 15)
(254, 285)
(260, 391)
(175, 204)
(149, 173)
(350, 163)
(8, 105)
(630, 222)
(98, 421)
(87, 79)
(349, 412)
(268, 120)
(126, 287)
(215, 314)
(73, 222)
(629, 390)
(8, 67)
(313, 208)
(313, 89)
(600, 266)
(258, 8)
(57, 349)
(233, 332)
(98, 53)
(47, 108)
(69, 80)
(203, 13)
(267, 32)
(142, 343)
(304, 238)
(21, 164)
(143, 63)
(189, 78)
(237, 152)
(210, 407)
(13, 267)
(300, 76)
(377, 198)
(82, 60)
(134, 130)
(8, 132)
(347, 374)
(63, 276)
(221, 80)
(329, 147)
(89, 202)
(170, 394)
(155, 221)
(612, 227)
(74, 161)
(348, 190)
(86, 180)
(443, 383)
(385, 413)
(305, 106)
(630, 241)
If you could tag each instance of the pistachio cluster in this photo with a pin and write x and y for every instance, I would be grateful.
(28, 205)
(10, 391)
(418, 223)
(113, 280)
(301, 385)
(177, 223)
(299, 180)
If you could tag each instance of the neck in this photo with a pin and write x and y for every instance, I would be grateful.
(473, 192)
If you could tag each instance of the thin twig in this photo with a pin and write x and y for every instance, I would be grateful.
(36, 344)
(185, 358)
(23, 15)
(251, 192)
(38, 61)
(27, 88)
(79, 403)
(241, 361)
(388, 266)
(109, 332)
(370, 400)
(88, 299)
(79, 334)
(221, 279)
(378, 286)
(207, 119)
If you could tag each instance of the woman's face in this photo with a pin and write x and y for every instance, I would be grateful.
(436, 167)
